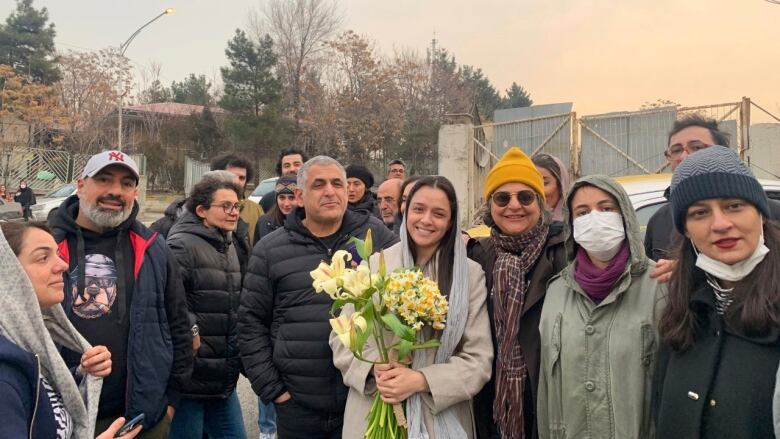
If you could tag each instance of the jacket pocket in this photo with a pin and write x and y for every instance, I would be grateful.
(557, 427)
(649, 346)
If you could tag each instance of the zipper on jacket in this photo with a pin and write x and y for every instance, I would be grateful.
(37, 393)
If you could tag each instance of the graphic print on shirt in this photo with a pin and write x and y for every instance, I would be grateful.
(100, 287)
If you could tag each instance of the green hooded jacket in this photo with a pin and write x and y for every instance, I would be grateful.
(598, 360)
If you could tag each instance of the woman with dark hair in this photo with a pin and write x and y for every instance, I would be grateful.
(440, 383)
(720, 332)
(284, 191)
(524, 250)
(203, 246)
(599, 320)
(556, 182)
(41, 397)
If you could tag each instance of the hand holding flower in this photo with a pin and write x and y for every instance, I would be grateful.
(399, 382)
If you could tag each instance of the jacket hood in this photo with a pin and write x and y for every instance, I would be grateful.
(351, 221)
(65, 218)
(192, 224)
(638, 260)
(24, 324)
(366, 204)
(175, 209)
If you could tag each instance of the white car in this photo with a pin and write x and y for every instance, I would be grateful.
(263, 188)
(647, 193)
(47, 206)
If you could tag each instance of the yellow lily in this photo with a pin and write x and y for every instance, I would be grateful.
(328, 277)
(357, 281)
(346, 327)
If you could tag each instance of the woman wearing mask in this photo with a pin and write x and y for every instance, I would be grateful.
(598, 325)
(524, 250)
(285, 202)
(202, 242)
(439, 384)
(556, 182)
(720, 333)
(41, 397)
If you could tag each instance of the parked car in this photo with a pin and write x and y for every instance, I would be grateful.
(47, 206)
(10, 211)
(263, 188)
(647, 196)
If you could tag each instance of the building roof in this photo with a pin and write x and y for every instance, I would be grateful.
(170, 108)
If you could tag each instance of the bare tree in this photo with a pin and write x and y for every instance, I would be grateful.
(299, 29)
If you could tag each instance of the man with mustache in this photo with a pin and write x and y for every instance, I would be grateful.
(123, 291)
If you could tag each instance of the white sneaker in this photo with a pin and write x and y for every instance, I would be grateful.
(267, 435)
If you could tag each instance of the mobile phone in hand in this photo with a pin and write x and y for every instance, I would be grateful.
(129, 425)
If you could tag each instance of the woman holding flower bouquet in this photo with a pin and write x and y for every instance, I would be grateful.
(436, 385)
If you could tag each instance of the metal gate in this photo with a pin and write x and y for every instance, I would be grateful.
(193, 171)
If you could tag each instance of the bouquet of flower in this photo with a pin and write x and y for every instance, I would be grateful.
(401, 302)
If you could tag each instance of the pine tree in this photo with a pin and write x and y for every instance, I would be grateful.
(516, 97)
(250, 81)
(27, 43)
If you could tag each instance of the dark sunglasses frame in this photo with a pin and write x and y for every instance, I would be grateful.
(524, 197)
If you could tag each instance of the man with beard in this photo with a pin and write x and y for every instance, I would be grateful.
(123, 291)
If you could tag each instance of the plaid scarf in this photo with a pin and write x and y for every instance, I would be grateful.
(515, 255)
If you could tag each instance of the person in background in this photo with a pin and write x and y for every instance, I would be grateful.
(599, 322)
(178, 208)
(406, 187)
(396, 169)
(523, 252)
(42, 398)
(289, 162)
(439, 384)
(556, 182)
(5, 195)
(283, 325)
(211, 273)
(388, 196)
(687, 137)
(26, 198)
(123, 291)
(284, 192)
(720, 332)
(245, 172)
(360, 197)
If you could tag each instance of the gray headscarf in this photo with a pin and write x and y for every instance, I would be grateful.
(23, 322)
(446, 424)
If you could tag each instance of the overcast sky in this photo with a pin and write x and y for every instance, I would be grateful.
(603, 55)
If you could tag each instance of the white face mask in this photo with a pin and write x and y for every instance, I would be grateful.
(734, 272)
(600, 233)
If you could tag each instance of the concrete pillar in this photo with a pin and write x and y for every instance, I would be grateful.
(455, 163)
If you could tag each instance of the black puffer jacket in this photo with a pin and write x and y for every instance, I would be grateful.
(283, 324)
(367, 204)
(265, 225)
(211, 275)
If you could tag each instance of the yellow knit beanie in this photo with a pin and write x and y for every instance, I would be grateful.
(514, 166)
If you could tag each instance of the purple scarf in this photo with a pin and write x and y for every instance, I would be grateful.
(598, 282)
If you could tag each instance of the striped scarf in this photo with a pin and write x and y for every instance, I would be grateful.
(515, 255)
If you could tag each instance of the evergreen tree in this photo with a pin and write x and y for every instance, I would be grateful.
(484, 94)
(192, 90)
(205, 134)
(156, 92)
(250, 82)
(27, 43)
(516, 97)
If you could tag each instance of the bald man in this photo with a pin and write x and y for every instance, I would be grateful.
(388, 195)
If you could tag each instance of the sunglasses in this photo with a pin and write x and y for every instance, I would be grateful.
(502, 198)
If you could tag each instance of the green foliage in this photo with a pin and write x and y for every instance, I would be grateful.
(250, 82)
(517, 97)
(205, 134)
(484, 94)
(156, 92)
(27, 43)
(194, 90)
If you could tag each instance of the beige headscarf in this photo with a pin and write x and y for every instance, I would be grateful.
(23, 322)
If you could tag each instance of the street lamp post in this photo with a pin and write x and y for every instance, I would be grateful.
(122, 49)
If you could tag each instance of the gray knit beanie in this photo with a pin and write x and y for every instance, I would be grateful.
(715, 172)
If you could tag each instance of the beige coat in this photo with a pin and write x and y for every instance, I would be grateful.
(453, 383)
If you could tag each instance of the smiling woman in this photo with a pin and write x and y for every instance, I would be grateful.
(524, 250)
(724, 304)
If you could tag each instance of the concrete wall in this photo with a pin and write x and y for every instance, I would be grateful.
(764, 153)
(455, 145)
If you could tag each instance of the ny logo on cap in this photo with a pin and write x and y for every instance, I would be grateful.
(116, 156)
